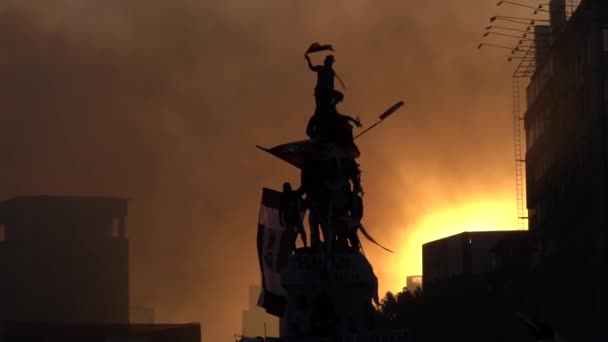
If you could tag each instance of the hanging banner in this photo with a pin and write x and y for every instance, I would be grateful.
(273, 251)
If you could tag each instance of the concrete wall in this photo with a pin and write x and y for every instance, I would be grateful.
(59, 283)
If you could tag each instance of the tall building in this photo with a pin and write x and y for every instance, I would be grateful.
(567, 171)
(64, 260)
(256, 322)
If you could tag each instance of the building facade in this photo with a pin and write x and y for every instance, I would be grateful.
(17, 332)
(64, 260)
(463, 263)
(567, 171)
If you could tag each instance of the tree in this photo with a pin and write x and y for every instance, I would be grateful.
(401, 309)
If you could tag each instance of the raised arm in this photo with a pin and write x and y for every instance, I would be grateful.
(310, 66)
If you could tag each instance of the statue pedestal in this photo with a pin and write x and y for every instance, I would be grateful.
(322, 302)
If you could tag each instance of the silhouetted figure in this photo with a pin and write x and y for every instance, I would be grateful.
(342, 234)
(340, 131)
(314, 225)
(325, 93)
(354, 175)
(331, 125)
(336, 189)
(349, 221)
(311, 185)
(356, 215)
(313, 129)
(355, 225)
(290, 212)
(356, 206)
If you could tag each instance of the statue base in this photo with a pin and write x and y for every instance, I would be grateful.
(328, 296)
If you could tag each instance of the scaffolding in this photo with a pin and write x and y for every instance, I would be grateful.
(571, 6)
(519, 161)
(525, 69)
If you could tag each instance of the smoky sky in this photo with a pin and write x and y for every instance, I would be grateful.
(163, 102)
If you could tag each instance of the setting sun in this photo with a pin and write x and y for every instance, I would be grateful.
(480, 213)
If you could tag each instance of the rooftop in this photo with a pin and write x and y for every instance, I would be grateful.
(62, 206)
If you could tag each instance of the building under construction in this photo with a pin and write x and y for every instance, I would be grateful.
(566, 165)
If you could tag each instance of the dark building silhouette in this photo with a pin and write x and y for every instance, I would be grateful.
(542, 41)
(557, 16)
(464, 263)
(567, 172)
(64, 259)
(22, 332)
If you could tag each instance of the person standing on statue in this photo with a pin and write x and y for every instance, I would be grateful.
(290, 213)
(325, 93)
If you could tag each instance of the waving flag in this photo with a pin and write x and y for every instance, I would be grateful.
(316, 47)
(296, 153)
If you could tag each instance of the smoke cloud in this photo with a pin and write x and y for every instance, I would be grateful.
(163, 102)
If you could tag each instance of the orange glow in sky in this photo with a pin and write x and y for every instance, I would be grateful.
(480, 213)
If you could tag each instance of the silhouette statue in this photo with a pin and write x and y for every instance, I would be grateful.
(331, 192)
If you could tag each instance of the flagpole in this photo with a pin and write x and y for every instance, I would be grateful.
(367, 129)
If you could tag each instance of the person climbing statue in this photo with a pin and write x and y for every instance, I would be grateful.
(355, 225)
(290, 213)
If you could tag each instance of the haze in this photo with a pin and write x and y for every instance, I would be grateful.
(163, 102)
